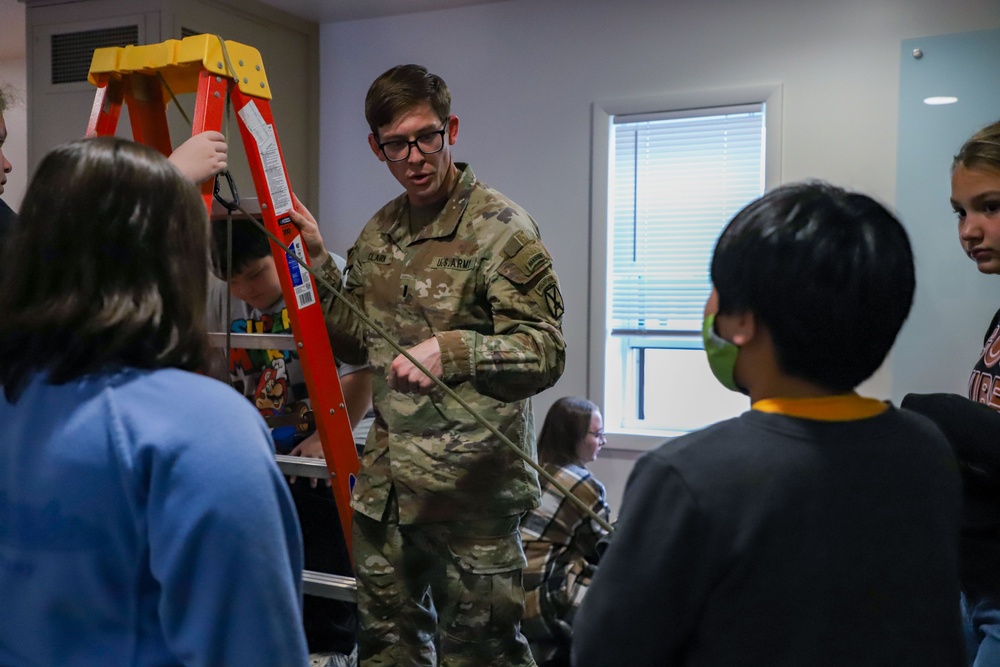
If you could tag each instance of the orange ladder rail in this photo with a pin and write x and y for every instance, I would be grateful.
(142, 78)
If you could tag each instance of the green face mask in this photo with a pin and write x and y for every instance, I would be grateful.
(721, 354)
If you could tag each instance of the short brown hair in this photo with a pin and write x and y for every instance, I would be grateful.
(8, 96)
(401, 88)
(566, 425)
(981, 150)
(112, 271)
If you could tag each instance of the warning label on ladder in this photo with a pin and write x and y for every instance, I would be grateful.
(270, 157)
(304, 294)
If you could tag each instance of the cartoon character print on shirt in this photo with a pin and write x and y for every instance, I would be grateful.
(268, 377)
(244, 365)
(984, 383)
(271, 397)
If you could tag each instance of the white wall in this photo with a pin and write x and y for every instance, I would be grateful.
(13, 72)
(525, 73)
(15, 148)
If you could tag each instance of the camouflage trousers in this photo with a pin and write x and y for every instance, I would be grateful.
(445, 593)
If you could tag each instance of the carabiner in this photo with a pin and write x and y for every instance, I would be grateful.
(234, 202)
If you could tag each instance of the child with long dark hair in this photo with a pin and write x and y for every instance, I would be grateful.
(143, 520)
(560, 541)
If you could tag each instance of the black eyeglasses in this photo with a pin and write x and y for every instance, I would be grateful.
(398, 150)
(600, 435)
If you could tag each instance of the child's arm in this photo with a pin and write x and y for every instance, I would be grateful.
(972, 429)
(642, 607)
(357, 388)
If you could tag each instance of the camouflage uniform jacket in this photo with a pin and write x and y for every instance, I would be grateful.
(478, 279)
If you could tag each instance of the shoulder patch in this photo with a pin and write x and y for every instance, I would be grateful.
(526, 259)
(515, 243)
(548, 287)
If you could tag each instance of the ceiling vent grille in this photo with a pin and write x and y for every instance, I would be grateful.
(72, 52)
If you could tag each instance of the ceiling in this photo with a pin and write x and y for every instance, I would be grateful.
(327, 11)
(320, 11)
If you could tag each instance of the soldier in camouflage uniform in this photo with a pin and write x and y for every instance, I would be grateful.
(454, 272)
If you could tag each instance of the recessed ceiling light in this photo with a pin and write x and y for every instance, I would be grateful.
(936, 101)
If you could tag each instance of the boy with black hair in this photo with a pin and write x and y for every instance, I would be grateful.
(259, 307)
(273, 381)
(818, 528)
(121, 540)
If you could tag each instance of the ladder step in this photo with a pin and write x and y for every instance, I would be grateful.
(245, 341)
(301, 466)
(332, 586)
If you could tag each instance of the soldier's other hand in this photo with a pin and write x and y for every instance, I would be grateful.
(202, 156)
(309, 228)
(407, 378)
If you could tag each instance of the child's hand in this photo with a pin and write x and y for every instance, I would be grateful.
(202, 156)
(312, 448)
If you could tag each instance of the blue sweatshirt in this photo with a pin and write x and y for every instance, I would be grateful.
(143, 521)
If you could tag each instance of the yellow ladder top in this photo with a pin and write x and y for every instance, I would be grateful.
(180, 61)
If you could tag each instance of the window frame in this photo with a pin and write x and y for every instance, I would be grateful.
(602, 120)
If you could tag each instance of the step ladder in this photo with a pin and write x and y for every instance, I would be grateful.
(144, 78)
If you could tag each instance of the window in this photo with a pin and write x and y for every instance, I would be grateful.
(674, 179)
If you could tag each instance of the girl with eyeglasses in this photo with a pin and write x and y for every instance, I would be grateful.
(560, 541)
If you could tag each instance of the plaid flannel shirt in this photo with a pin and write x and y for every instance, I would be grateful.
(560, 543)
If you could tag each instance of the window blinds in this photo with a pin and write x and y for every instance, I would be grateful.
(677, 179)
